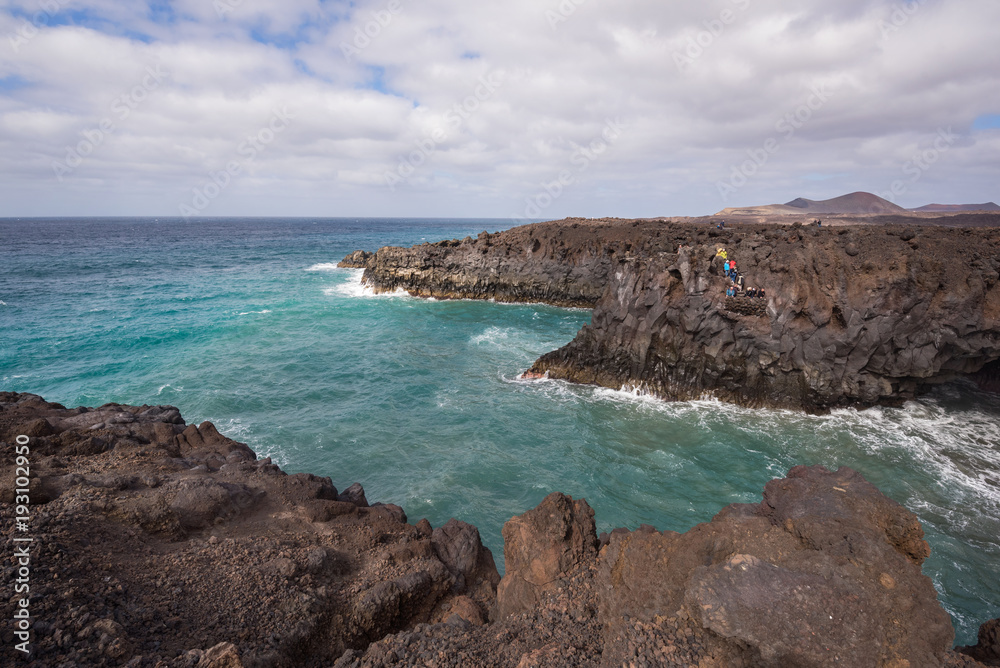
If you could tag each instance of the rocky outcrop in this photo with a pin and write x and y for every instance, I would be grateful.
(564, 264)
(987, 649)
(161, 543)
(853, 317)
(825, 571)
(157, 543)
(540, 547)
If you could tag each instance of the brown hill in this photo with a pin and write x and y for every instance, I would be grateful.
(858, 203)
(945, 208)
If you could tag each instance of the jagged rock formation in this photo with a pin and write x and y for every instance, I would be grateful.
(825, 571)
(987, 649)
(161, 543)
(561, 264)
(854, 316)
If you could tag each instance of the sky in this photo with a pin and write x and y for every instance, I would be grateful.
(514, 109)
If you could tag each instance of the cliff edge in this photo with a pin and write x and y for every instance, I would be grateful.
(851, 316)
(159, 544)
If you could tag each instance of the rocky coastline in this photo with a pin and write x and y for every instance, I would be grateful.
(163, 544)
(864, 312)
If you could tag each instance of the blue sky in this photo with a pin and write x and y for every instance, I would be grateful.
(524, 108)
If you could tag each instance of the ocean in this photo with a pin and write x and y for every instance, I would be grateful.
(248, 323)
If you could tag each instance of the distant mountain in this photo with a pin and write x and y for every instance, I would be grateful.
(855, 203)
(948, 208)
(859, 202)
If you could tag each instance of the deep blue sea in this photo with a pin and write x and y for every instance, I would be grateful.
(249, 324)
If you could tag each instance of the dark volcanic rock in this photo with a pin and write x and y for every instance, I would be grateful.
(144, 556)
(540, 548)
(825, 571)
(458, 545)
(354, 494)
(854, 316)
(562, 264)
(356, 260)
(163, 544)
(862, 321)
(987, 650)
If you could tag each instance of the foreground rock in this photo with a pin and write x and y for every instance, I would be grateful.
(825, 571)
(854, 315)
(161, 543)
(987, 650)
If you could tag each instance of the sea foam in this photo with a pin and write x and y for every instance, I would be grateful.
(324, 266)
(354, 288)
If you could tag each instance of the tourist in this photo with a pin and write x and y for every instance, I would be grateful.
(725, 266)
(760, 293)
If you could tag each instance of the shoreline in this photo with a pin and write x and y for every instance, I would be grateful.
(199, 522)
(838, 328)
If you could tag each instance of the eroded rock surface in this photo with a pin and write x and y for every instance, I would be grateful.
(825, 571)
(158, 543)
(162, 544)
(854, 315)
(564, 265)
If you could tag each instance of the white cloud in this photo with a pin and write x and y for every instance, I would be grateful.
(485, 102)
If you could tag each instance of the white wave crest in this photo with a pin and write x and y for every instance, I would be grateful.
(493, 336)
(354, 288)
(323, 266)
(255, 312)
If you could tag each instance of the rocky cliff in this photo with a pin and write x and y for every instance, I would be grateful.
(564, 264)
(157, 543)
(825, 571)
(853, 316)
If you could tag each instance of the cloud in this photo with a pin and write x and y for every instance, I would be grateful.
(446, 108)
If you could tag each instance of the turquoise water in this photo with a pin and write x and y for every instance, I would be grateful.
(250, 325)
